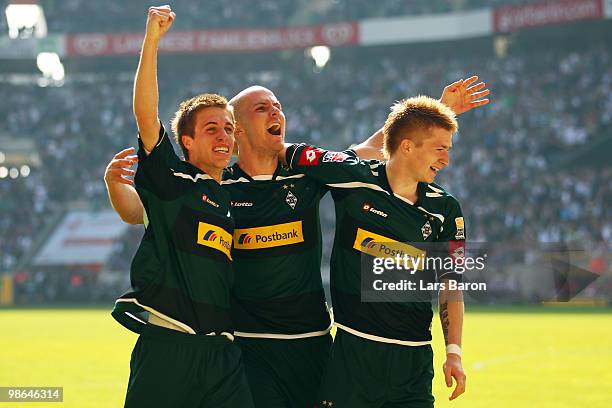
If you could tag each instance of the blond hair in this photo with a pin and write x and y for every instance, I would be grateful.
(413, 114)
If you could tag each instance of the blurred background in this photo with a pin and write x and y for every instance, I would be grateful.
(532, 169)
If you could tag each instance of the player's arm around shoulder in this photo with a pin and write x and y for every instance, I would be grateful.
(326, 166)
(120, 187)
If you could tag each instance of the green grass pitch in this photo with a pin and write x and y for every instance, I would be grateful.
(513, 357)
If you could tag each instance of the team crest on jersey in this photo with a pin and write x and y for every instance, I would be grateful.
(209, 201)
(426, 230)
(291, 200)
(327, 403)
(310, 157)
(337, 157)
(369, 209)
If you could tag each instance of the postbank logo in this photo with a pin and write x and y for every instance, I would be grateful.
(368, 243)
(215, 237)
(380, 246)
(269, 236)
(244, 239)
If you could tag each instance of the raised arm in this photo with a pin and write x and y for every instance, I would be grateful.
(159, 20)
(461, 96)
(120, 188)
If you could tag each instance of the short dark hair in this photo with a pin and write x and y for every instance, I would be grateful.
(416, 113)
(183, 123)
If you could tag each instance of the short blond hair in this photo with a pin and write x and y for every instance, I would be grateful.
(416, 113)
(183, 123)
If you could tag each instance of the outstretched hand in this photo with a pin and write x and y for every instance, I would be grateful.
(462, 96)
(118, 170)
(159, 21)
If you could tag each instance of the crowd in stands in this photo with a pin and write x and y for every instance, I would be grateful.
(74, 16)
(502, 166)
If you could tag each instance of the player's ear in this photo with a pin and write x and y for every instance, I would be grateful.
(235, 148)
(238, 132)
(406, 146)
(187, 141)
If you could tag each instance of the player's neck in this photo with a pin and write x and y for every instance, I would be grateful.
(401, 180)
(213, 172)
(257, 163)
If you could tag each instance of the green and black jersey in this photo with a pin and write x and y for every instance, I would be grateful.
(278, 292)
(182, 271)
(368, 213)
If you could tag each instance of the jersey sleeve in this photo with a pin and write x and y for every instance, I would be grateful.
(156, 169)
(327, 167)
(452, 242)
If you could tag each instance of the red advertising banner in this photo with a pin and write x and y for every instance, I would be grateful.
(196, 42)
(512, 18)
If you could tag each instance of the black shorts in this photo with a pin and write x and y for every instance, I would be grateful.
(173, 369)
(364, 373)
(285, 373)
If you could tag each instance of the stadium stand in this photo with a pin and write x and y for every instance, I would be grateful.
(84, 16)
(507, 165)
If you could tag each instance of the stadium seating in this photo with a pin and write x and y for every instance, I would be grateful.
(504, 166)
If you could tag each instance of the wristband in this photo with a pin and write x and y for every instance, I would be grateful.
(454, 349)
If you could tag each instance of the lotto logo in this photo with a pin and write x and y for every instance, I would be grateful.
(207, 200)
(369, 209)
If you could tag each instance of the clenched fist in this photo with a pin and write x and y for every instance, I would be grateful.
(159, 20)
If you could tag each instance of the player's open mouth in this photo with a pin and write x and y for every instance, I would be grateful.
(435, 170)
(221, 149)
(275, 129)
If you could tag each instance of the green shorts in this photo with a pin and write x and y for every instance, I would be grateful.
(173, 369)
(367, 374)
(285, 373)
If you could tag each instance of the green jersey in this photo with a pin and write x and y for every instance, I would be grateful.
(368, 213)
(278, 292)
(182, 270)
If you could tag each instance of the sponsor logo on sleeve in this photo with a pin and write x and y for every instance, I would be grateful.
(269, 236)
(215, 237)
(310, 157)
(336, 157)
(456, 249)
(459, 223)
